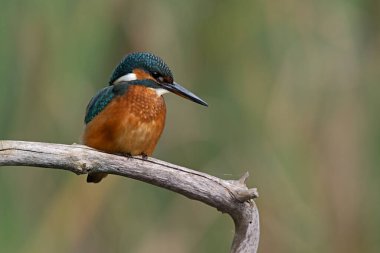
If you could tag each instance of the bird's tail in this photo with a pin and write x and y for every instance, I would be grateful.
(95, 177)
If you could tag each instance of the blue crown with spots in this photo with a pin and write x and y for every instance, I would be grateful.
(140, 60)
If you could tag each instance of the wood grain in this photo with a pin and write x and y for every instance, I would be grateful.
(228, 196)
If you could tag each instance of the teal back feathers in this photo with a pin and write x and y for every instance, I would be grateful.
(98, 103)
(105, 96)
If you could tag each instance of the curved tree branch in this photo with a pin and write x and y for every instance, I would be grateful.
(228, 196)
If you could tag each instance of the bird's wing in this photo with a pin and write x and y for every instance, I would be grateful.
(103, 98)
(98, 103)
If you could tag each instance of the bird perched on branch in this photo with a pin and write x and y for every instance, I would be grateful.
(128, 116)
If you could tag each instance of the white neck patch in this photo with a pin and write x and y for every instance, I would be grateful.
(132, 76)
(126, 78)
(160, 91)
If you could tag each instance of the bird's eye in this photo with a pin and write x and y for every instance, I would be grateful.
(158, 77)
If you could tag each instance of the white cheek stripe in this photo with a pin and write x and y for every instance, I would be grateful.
(126, 78)
(160, 91)
(132, 77)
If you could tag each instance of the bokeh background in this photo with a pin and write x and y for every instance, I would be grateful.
(293, 89)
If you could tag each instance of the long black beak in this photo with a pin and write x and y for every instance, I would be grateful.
(180, 91)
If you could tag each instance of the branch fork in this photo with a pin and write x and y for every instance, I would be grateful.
(228, 196)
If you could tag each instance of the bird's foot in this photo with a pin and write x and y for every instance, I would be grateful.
(144, 156)
(128, 155)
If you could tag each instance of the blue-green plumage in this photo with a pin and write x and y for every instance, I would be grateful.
(140, 60)
(105, 96)
(130, 120)
(98, 103)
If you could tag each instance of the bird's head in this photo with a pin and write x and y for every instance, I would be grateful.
(147, 66)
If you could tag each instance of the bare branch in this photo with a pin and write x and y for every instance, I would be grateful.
(228, 196)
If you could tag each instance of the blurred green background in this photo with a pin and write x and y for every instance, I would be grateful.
(293, 89)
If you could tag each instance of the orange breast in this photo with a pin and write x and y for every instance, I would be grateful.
(131, 123)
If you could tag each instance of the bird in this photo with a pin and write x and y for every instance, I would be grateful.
(127, 117)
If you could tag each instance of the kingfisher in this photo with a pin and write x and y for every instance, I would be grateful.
(128, 116)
